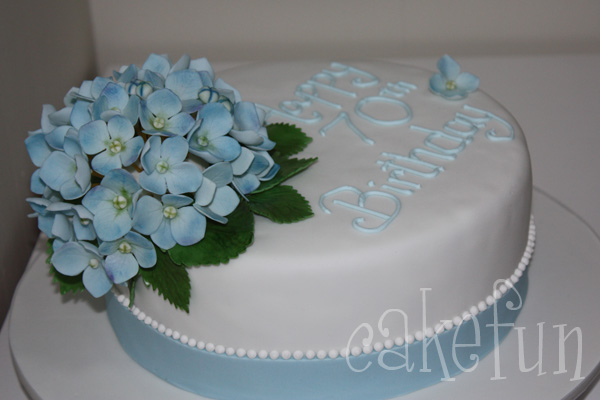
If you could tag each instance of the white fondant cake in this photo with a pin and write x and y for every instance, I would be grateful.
(421, 204)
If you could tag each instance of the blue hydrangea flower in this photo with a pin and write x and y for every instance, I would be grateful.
(114, 100)
(54, 222)
(261, 167)
(165, 167)
(171, 222)
(160, 114)
(68, 171)
(215, 198)
(80, 220)
(112, 202)
(124, 256)
(208, 140)
(73, 258)
(249, 126)
(450, 82)
(38, 150)
(113, 142)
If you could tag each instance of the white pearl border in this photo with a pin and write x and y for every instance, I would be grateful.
(355, 351)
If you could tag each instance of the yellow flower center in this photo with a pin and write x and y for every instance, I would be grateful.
(120, 202)
(170, 212)
(450, 85)
(159, 122)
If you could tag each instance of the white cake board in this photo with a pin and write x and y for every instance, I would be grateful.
(64, 347)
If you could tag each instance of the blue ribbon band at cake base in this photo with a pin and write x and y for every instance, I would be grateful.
(223, 377)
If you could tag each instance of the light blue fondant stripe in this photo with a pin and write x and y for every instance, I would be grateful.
(223, 377)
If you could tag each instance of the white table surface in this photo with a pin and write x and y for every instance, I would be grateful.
(555, 98)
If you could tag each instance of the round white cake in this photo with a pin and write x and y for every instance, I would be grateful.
(421, 204)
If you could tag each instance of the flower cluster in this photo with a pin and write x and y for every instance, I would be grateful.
(140, 162)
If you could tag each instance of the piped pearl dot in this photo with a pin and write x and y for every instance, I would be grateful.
(321, 354)
(210, 347)
(120, 298)
(273, 355)
(162, 328)
(262, 354)
(388, 343)
(310, 354)
(184, 339)
(220, 349)
(192, 342)
(333, 353)
(378, 346)
(399, 341)
(298, 355)
(367, 349)
(169, 332)
(230, 351)
(201, 345)
(482, 306)
(147, 320)
(356, 351)
(176, 335)
(141, 316)
(490, 300)
(240, 352)
(252, 354)
(286, 354)
(410, 339)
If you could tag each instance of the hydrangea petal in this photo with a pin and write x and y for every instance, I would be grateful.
(119, 179)
(174, 149)
(80, 115)
(105, 162)
(225, 201)
(437, 83)
(151, 154)
(206, 193)
(56, 138)
(184, 83)
(157, 63)
(248, 137)
(142, 249)
(216, 120)
(179, 124)
(132, 109)
(202, 64)
(162, 237)
(246, 183)
(111, 225)
(37, 185)
(176, 200)
(242, 162)
(98, 199)
(93, 136)
(71, 259)
(62, 227)
(119, 127)
(467, 82)
(154, 182)
(132, 151)
(184, 177)
(57, 169)
(221, 174)
(164, 103)
(188, 227)
(38, 149)
(148, 215)
(448, 67)
(221, 84)
(116, 95)
(120, 267)
(96, 281)
(225, 148)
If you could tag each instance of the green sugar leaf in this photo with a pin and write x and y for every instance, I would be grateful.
(221, 242)
(281, 204)
(289, 139)
(170, 280)
(67, 284)
(289, 168)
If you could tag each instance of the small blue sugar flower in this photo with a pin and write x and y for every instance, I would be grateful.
(124, 256)
(113, 143)
(249, 128)
(170, 222)
(68, 171)
(160, 114)
(450, 82)
(73, 258)
(165, 167)
(112, 203)
(215, 198)
(208, 139)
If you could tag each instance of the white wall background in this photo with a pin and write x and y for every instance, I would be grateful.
(126, 31)
(49, 46)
